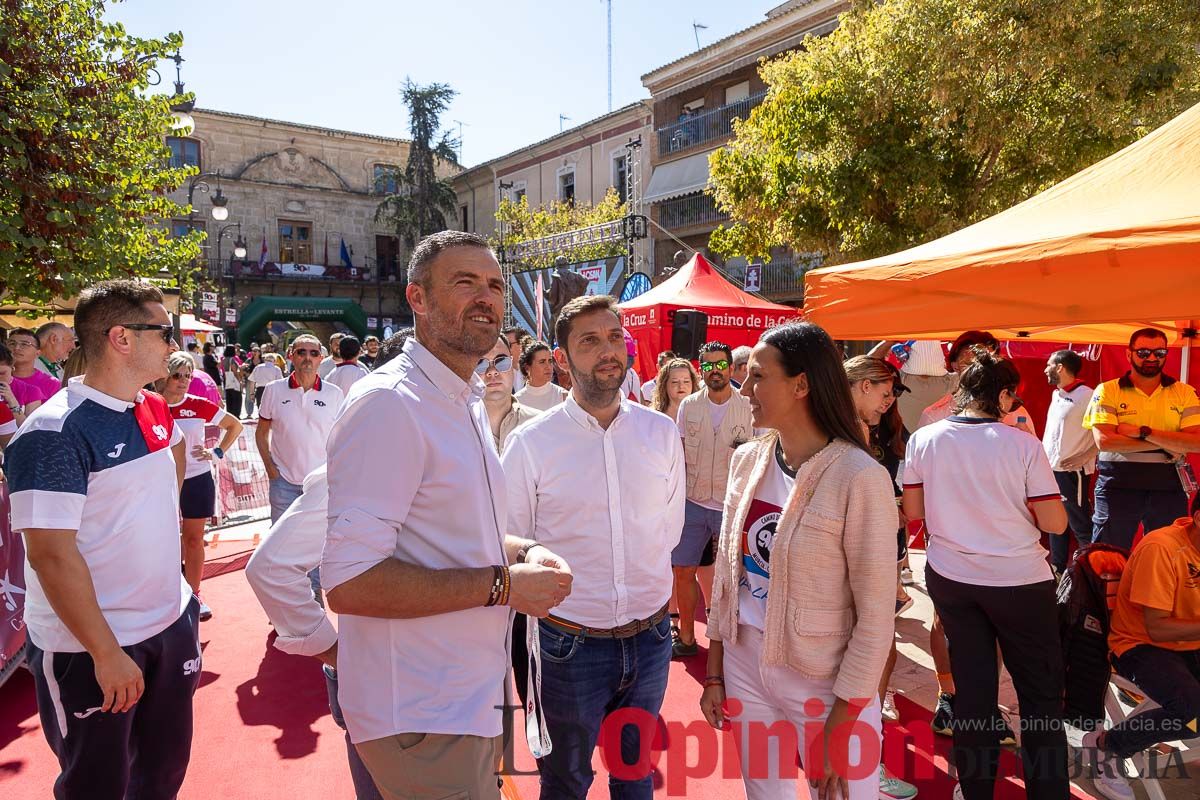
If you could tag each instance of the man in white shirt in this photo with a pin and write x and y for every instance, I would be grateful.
(416, 560)
(599, 479)
(346, 373)
(959, 357)
(278, 572)
(334, 358)
(1071, 449)
(537, 365)
(712, 423)
(741, 366)
(294, 418)
(94, 475)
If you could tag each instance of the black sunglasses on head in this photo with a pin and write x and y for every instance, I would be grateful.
(1145, 352)
(165, 329)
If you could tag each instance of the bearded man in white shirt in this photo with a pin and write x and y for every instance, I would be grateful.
(416, 561)
(600, 480)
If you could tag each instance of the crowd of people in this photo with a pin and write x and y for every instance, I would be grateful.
(485, 511)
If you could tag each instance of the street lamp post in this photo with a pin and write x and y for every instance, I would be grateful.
(239, 245)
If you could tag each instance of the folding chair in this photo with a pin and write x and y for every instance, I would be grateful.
(1148, 764)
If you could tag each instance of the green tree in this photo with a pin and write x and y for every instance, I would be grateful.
(918, 117)
(83, 163)
(523, 223)
(422, 200)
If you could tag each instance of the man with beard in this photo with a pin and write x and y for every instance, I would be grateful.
(599, 479)
(1144, 423)
(713, 423)
(416, 562)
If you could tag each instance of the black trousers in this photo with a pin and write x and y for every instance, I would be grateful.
(141, 753)
(233, 402)
(1023, 621)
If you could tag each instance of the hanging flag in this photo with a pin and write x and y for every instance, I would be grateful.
(262, 256)
(540, 293)
(326, 261)
(346, 262)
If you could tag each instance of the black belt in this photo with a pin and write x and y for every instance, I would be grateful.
(620, 632)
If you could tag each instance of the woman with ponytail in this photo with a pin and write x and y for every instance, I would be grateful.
(986, 492)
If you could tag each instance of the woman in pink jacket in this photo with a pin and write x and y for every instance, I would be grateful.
(802, 606)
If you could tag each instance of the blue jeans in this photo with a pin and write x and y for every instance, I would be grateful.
(1079, 516)
(586, 679)
(282, 494)
(1170, 678)
(364, 785)
(1121, 507)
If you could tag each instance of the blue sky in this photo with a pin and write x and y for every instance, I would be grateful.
(516, 65)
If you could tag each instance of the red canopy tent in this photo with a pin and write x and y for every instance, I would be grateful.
(734, 317)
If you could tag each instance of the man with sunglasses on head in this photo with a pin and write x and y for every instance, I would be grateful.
(94, 475)
(1145, 423)
(713, 423)
(294, 419)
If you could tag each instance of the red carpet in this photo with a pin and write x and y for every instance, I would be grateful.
(263, 729)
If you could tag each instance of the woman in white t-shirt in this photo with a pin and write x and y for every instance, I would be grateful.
(537, 365)
(198, 494)
(986, 492)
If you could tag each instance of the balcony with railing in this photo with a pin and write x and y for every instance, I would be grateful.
(688, 211)
(782, 280)
(708, 126)
(272, 271)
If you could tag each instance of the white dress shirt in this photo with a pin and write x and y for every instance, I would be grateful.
(413, 475)
(278, 571)
(346, 374)
(610, 502)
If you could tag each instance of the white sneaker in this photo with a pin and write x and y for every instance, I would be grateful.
(205, 611)
(1109, 780)
(906, 577)
(892, 788)
(889, 707)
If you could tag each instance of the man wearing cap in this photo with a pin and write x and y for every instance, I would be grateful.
(1144, 423)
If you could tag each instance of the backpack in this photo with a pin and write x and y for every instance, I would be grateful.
(1087, 595)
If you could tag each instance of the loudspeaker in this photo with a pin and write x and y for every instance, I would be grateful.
(689, 331)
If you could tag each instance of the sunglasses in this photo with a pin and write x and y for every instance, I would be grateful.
(181, 375)
(500, 364)
(165, 329)
(709, 366)
(1145, 352)
(312, 353)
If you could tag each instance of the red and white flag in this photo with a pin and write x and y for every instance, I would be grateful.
(262, 256)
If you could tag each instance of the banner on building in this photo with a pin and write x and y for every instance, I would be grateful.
(604, 277)
(387, 322)
(753, 282)
(372, 323)
(302, 270)
(231, 316)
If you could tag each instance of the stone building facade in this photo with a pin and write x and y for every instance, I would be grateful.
(695, 100)
(303, 190)
(581, 164)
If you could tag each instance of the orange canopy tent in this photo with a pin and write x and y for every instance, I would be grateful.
(1113, 248)
(734, 317)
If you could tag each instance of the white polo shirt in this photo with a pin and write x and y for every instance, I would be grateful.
(608, 501)
(300, 423)
(978, 477)
(346, 373)
(413, 475)
(88, 462)
(1065, 436)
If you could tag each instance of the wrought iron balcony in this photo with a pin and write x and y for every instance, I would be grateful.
(707, 126)
(782, 280)
(692, 209)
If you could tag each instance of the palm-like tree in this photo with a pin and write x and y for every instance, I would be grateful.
(422, 199)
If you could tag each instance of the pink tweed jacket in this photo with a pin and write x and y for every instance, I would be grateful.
(831, 597)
